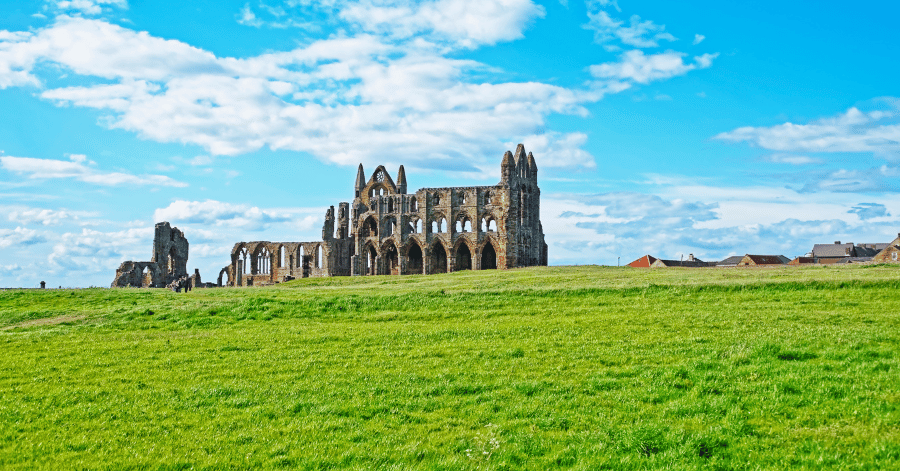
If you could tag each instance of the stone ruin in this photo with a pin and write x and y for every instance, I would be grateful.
(388, 231)
(167, 267)
(385, 231)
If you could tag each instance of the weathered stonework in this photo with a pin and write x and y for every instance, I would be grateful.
(387, 231)
(169, 261)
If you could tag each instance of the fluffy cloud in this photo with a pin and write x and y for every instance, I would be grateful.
(637, 67)
(76, 169)
(217, 213)
(384, 88)
(875, 131)
(88, 7)
(608, 30)
(90, 251)
(19, 236)
(467, 23)
(44, 217)
(349, 104)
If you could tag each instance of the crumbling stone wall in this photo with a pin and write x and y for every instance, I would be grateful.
(168, 263)
(387, 231)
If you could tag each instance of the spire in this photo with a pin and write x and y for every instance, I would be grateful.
(520, 155)
(532, 167)
(507, 167)
(401, 181)
(360, 180)
(521, 160)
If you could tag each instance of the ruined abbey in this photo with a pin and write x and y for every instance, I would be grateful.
(385, 231)
(168, 263)
(388, 231)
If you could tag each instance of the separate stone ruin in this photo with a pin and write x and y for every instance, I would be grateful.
(169, 262)
(387, 231)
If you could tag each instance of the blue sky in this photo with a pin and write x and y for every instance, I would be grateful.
(668, 128)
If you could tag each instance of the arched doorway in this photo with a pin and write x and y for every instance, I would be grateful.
(488, 257)
(438, 259)
(147, 278)
(463, 258)
(414, 260)
(224, 278)
(391, 259)
(371, 259)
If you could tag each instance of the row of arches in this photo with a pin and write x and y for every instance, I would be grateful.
(441, 260)
(393, 203)
(260, 262)
(369, 227)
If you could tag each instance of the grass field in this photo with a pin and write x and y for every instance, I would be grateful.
(561, 367)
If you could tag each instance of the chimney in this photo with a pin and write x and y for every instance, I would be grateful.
(690, 257)
(837, 242)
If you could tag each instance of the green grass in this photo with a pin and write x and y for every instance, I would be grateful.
(562, 367)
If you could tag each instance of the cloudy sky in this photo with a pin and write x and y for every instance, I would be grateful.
(659, 127)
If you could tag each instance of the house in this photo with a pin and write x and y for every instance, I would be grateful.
(690, 262)
(730, 261)
(890, 254)
(763, 260)
(643, 262)
(832, 253)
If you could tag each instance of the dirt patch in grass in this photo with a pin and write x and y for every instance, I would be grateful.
(46, 321)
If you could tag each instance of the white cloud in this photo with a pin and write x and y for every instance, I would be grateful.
(91, 251)
(637, 67)
(382, 88)
(96, 48)
(20, 236)
(49, 169)
(466, 23)
(217, 213)
(792, 159)
(248, 18)
(608, 30)
(88, 7)
(44, 217)
(558, 150)
(852, 131)
(698, 38)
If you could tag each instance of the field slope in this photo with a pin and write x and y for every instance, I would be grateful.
(561, 367)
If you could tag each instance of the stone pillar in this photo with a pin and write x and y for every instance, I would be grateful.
(239, 273)
(401, 260)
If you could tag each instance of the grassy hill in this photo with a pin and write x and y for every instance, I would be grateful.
(560, 367)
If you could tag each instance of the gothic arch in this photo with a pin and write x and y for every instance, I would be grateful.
(225, 276)
(438, 257)
(462, 254)
(415, 258)
(390, 255)
(488, 256)
(370, 260)
(368, 228)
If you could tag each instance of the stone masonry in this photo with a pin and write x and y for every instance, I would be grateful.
(169, 261)
(388, 231)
